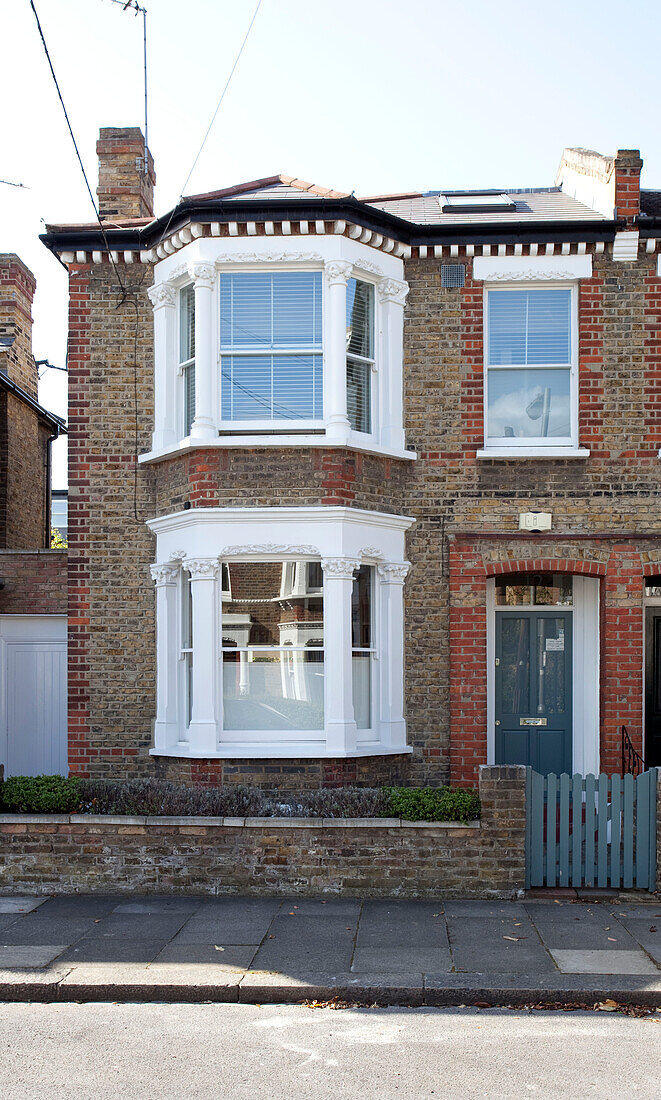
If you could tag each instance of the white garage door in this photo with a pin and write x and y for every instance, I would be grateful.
(33, 666)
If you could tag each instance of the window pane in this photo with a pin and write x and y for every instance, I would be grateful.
(361, 608)
(273, 690)
(265, 310)
(529, 326)
(360, 318)
(273, 635)
(272, 387)
(269, 604)
(529, 404)
(186, 323)
(361, 674)
(534, 589)
(551, 665)
(515, 665)
(359, 378)
(189, 397)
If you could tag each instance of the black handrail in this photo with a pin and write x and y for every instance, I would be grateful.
(632, 761)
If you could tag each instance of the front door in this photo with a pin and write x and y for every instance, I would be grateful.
(653, 687)
(533, 682)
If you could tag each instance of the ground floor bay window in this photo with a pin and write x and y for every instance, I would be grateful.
(279, 632)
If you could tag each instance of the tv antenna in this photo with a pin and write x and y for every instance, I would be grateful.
(134, 6)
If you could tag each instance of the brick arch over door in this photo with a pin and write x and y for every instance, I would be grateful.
(619, 568)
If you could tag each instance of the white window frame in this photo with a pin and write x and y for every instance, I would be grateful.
(272, 426)
(532, 445)
(180, 411)
(343, 539)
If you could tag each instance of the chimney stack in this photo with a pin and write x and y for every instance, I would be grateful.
(126, 185)
(628, 165)
(17, 287)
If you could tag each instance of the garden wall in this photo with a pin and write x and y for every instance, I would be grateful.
(53, 854)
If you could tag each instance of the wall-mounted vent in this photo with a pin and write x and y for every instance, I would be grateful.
(453, 275)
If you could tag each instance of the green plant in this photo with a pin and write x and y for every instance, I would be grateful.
(41, 794)
(433, 803)
(57, 542)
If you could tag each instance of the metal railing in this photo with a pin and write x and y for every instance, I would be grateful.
(632, 761)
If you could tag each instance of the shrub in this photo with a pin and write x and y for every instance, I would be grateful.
(41, 794)
(152, 797)
(434, 803)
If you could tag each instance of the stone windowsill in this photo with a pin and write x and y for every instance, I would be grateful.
(533, 452)
(237, 442)
(236, 822)
(276, 752)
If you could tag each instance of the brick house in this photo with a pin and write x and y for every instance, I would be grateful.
(391, 464)
(33, 578)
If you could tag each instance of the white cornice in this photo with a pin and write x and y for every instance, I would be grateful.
(532, 268)
(259, 516)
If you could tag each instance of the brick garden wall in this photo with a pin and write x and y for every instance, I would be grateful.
(273, 857)
(35, 582)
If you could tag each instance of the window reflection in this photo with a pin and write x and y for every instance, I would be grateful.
(272, 620)
(534, 590)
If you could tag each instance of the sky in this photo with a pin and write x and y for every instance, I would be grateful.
(374, 96)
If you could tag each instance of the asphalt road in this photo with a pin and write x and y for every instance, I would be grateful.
(99, 1051)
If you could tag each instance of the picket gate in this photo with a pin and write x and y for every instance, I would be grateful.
(591, 830)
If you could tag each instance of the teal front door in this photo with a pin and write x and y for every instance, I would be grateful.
(533, 710)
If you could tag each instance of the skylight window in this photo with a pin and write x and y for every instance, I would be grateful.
(475, 202)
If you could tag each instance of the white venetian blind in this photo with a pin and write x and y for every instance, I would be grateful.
(360, 353)
(271, 345)
(529, 327)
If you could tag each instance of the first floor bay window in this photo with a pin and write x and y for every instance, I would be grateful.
(292, 648)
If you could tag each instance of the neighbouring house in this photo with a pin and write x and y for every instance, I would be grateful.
(33, 578)
(364, 490)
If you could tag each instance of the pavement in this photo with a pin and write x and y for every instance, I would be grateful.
(272, 950)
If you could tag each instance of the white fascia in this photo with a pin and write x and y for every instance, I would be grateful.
(278, 533)
(298, 251)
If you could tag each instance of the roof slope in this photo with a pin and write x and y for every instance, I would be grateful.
(537, 204)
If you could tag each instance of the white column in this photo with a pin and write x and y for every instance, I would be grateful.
(203, 730)
(166, 731)
(340, 723)
(335, 389)
(391, 645)
(164, 299)
(392, 296)
(204, 425)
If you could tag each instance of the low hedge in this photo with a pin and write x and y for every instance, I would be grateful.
(53, 794)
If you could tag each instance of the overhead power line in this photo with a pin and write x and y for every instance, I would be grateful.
(75, 145)
(10, 183)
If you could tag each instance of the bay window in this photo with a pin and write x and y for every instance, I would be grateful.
(531, 367)
(278, 348)
(287, 648)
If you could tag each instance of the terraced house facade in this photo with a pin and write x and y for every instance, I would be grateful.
(364, 489)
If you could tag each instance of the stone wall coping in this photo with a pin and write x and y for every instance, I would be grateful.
(235, 822)
(32, 551)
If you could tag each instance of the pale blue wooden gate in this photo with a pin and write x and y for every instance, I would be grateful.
(591, 830)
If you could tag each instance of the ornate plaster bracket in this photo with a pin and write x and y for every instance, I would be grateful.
(163, 573)
(393, 572)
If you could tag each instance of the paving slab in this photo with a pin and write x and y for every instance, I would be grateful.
(79, 905)
(29, 956)
(229, 957)
(188, 906)
(112, 950)
(137, 926)
(35, 930)
(225, 930)
(403, 960)
(604, 962)
(20, 905)
(402, 923)
(495, 910)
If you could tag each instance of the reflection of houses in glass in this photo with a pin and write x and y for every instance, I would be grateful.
(273, 623)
